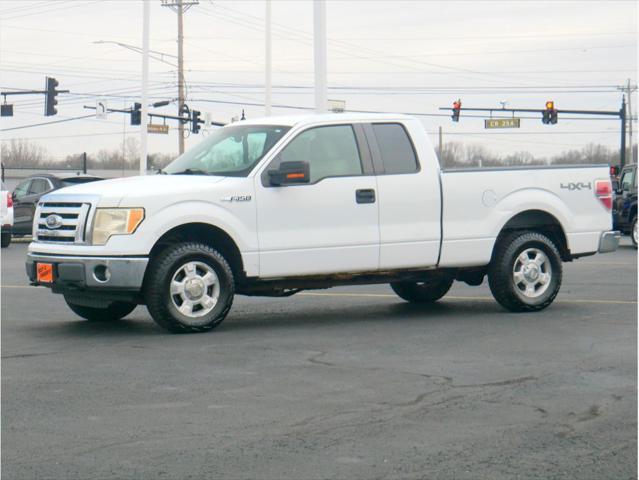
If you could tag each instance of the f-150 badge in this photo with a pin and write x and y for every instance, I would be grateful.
(236, 198)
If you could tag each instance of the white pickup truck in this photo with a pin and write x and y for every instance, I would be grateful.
(279, 205)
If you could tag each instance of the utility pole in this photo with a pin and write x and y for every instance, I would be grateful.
(267, 60)
(180, 6)
(319, 42)
(630, 156)
(145, 86)
(622, 151)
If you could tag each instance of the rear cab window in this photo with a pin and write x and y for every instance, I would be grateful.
(395, 149)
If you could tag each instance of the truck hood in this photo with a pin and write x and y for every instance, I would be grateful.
(111, 192)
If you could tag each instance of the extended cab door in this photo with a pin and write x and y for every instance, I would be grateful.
(627, 195)
(409, 197)
(328, 225)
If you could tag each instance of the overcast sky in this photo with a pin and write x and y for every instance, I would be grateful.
(395, 56)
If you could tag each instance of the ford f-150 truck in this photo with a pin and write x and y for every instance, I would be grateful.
(279, 205)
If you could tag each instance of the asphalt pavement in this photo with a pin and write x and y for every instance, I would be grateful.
(348, 383)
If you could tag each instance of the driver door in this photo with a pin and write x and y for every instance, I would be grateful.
(22, 217)
(326, 225)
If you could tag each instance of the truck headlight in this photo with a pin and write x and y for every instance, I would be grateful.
(115, 221)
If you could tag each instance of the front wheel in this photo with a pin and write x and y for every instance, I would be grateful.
(6, 239)
(633, 232)
(115, 311)
(189, 288)
(422, 292)
(525, 272)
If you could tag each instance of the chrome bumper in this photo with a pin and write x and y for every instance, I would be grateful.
(609, 241)
(114, 273)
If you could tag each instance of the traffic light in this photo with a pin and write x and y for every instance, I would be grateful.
(549, 115)
(136, 114)
(456, 110)
(195, 121)
(50, 95)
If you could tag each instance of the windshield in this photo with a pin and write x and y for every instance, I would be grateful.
(229, 151)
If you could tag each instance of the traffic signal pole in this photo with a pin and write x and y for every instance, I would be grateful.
(621, 113)
(50, 93)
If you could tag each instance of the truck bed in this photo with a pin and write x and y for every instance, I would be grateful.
(478, 202)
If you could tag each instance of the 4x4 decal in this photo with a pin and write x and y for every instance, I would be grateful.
(576, 186)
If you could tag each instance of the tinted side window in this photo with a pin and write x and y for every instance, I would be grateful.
(21, 189)
(395, 148)
(38, 185)
(330, 151)
(627, 180)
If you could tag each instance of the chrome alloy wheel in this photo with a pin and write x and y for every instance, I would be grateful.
(195, 289)
(532, 273)
(634, 231)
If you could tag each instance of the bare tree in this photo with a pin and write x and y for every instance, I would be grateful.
(22, 153)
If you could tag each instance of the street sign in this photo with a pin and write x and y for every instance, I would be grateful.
(101, 109)
(502, 123)
(157, 128)
(336, 106)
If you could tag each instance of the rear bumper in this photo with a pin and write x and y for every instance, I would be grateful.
(94, 273)
(609, 241)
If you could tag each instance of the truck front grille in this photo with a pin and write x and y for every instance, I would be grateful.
(61, 222)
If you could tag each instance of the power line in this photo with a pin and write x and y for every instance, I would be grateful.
(47, 123)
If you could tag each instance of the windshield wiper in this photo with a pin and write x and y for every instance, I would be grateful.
(191, 171)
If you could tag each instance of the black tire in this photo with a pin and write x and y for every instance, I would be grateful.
(6, 239)
(633, 232)
(506, 259)
(422, 292)
(114, 311)
(163, 305)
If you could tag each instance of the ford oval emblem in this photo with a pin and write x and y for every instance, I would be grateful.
(53, 221)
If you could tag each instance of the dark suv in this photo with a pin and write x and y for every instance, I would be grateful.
(625, 208)
(29, 191)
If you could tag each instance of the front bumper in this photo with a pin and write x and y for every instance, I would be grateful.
(94, 273)
(609, 241)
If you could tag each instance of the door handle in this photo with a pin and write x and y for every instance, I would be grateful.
(365, 195)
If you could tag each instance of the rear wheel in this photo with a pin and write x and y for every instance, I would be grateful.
(422, 292)
(115, 311)
(525, 272)
(6, 239)
(633, 231)
(189, 288)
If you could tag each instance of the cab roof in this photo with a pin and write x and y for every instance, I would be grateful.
(297, 120)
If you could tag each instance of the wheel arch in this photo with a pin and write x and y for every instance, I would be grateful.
(208, 234)
(538, 221)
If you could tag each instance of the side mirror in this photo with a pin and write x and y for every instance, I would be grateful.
(290, 173)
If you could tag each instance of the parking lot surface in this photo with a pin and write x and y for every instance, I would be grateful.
(343, 383)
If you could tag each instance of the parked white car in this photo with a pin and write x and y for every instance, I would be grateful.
(6, 216)
(283, 204)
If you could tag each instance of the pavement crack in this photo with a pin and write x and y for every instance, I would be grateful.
(512, 381)
(27, 355)
(593, 412)
(314, 359)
